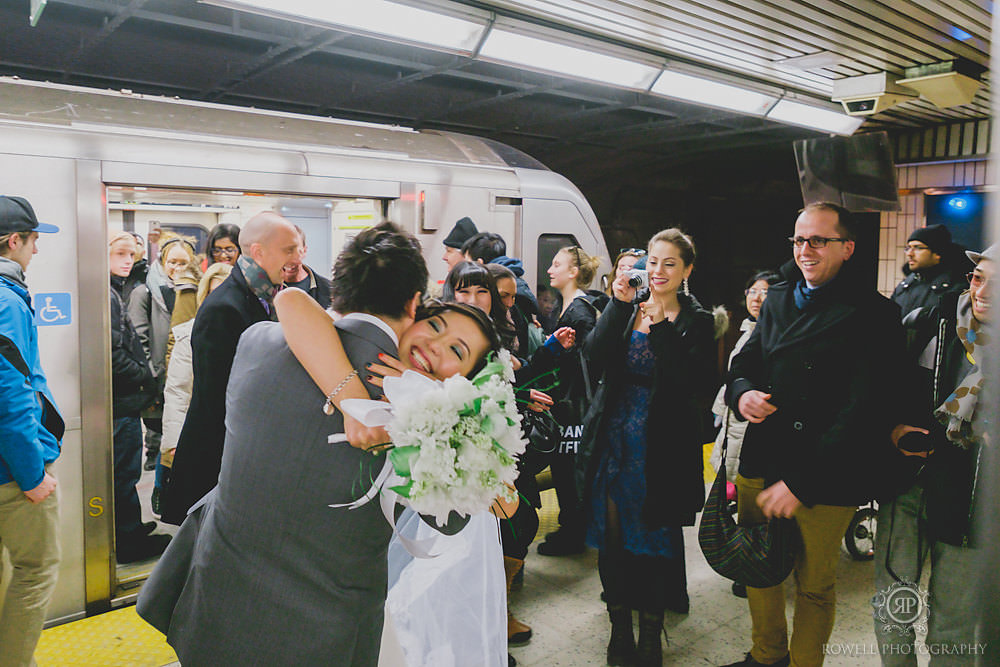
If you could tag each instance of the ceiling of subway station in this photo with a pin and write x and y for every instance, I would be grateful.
(589, 131)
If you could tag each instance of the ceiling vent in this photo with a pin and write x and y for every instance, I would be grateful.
(945, 84)
(869, 94)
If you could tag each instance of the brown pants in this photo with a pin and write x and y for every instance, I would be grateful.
(29, 534)
(822, 528)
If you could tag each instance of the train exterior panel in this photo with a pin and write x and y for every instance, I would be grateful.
(94, 162)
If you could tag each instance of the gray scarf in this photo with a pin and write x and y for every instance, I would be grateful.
(12, 270)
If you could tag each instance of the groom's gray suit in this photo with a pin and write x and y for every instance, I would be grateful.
(262, 571)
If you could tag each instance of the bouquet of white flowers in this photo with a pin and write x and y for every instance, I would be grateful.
(454, 441)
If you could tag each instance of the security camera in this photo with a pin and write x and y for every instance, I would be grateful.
(869, 94)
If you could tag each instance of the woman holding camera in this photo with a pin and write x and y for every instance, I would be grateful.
(645, 474)
(626, 259)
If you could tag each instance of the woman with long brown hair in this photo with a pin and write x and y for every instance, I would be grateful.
(645, 473)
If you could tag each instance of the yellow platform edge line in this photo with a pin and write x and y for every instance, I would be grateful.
(117, 638)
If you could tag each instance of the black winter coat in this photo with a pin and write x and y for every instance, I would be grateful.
(924, 290)
(581, 316)
(225, 314)
(132, 385)
(833, 371)
(948, 476)
(684, 383)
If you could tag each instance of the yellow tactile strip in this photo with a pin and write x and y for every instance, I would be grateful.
(118, 638)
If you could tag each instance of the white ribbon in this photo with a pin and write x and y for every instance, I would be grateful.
(388, 498)
(377, 485)
(416, 548)
(379, 413)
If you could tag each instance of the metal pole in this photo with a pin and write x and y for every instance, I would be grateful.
(986, 521)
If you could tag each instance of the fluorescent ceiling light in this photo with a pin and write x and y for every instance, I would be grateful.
(713, 94)
(540, 54)
(817, 60)
(796, 113)
(378, 17)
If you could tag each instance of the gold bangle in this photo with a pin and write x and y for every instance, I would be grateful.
(328, 406)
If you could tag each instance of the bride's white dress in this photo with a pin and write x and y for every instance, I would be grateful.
(451, 610)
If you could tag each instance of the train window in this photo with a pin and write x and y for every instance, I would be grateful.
(153, 288)
(548, 298)
(198, 233)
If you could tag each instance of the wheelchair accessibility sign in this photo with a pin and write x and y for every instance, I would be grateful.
(53, 309)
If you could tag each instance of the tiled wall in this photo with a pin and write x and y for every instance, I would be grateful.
(912, 181)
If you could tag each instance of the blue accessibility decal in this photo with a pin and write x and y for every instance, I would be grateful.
(53, 309)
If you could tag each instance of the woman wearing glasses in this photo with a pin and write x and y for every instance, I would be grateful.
(223, 244)
(755, 292)
(645, 477)
(733, 429)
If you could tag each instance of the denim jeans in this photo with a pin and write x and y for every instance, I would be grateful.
(128, 450)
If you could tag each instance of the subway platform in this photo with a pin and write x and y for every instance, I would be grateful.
(561, 602)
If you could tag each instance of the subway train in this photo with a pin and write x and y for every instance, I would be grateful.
(96, 162)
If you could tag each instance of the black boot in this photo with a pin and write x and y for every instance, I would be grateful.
(621, 648)
(649, 653)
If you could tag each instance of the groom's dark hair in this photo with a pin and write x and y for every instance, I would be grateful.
(378, 272)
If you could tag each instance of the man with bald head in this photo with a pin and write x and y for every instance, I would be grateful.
(267, 243)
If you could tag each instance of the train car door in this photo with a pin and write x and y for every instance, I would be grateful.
(327, 222)
(54, 277)
(546, 226)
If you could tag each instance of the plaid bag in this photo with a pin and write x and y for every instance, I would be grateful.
(758, 556)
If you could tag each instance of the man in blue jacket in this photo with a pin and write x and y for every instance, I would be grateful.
(30, 429)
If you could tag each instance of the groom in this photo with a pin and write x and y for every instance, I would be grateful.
(262, 571)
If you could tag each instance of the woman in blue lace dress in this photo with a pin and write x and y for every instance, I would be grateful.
(645, 479)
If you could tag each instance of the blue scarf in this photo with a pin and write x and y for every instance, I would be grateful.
(806, 297)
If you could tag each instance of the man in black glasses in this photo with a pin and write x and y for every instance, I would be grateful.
(815, 382)
(933, 267)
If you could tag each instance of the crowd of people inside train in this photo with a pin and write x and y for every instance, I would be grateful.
(834, 396)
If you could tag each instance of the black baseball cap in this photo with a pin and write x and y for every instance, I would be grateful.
(16, 215)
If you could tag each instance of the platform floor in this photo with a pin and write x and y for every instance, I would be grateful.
(560, 600)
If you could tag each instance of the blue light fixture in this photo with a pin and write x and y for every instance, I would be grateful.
(958, 203)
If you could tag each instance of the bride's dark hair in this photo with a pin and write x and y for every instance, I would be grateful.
(434, 308)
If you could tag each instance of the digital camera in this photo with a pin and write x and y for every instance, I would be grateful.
(638, 278)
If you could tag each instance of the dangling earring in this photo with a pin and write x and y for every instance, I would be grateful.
(687, 292)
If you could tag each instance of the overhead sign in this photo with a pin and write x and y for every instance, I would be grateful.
(53, 309)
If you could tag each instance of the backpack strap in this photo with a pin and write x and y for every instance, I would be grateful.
(10, 352)
(52, 421)
(589, 300)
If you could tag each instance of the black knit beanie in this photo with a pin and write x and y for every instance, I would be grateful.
(935, 237)
(463, 230)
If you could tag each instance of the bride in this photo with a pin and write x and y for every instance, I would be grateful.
(448, 610)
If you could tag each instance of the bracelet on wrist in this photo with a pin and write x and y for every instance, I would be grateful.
(328, 406)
